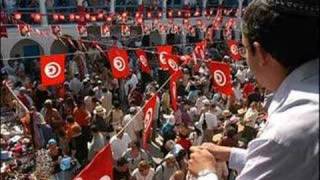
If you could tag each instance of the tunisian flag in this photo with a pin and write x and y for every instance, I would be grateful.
(52, 69)
(173, 89)
(148, 110)
(143, 61)
(162, 51)
(100, 168)
(221, 74)
(234, 51)
(199, 50)
(119, 62)
(173, 63)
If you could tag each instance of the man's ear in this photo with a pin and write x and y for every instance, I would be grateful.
(261, 54)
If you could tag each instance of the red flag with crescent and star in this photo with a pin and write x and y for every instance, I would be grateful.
(119, 62)
(52, 69)
(173, 89)
(199, 50)
(233, 49)
(100, 168)
(221, 75)
(173, 63)
(162, 51)
(148, 110)
(142, 57)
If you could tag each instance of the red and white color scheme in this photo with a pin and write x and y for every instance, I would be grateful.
(185, 59)
(173, 63)
(173, 89)
(199, 51)
(162, 51)
(221, 75)
(100, 168)
(56, 30)
(52, 69)
(119, 62)
(105, 30)
(234, 51)
(24, 30)
(148, 110)
(82, 29)
(143, 61)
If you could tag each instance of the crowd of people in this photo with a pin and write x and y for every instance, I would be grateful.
(90, 109)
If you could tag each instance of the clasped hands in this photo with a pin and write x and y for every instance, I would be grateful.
(204, 157)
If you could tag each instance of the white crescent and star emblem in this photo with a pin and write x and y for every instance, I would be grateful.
(173, 64)
(162, 58)
(148, 118)
(119, 63)
(143, 60)
(52, 70)
(220, 78)
(234, 49)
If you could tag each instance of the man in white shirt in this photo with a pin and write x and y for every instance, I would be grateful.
(132, 128)
(75, 84)
(288, 146)
(119, 143)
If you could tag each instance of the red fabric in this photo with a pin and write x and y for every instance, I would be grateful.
(233, 48)
(221, 74)
(101, 167)
(186, 59)
(148, 110)
(199, 50)
(173, 63)
(162, 51)
(82, 29)
(24, 29)
(185, 143)
(119, 62)
(173, 89)
(247, 89)
(143, 61)
(52, 69)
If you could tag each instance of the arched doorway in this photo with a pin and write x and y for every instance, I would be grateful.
(27, 52)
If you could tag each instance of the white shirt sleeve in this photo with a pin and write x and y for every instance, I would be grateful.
(237, 159)
(265, 159)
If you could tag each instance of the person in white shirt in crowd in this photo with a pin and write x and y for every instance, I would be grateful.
(208, 121)
(134, 155)
(288, 146)
(97, 142)
(166, 168)
(106, 99)
(98, 89)
(143, 172)
(200, 101)
(75, 84)
(240, 75)
(132, 128)
(250, 117)
(131, 83)
(119, 143)
(88, 101)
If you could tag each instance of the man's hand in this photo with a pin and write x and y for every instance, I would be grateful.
(221, 153)
(200, 159)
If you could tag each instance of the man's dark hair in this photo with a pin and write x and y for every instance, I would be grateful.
(289, 34)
